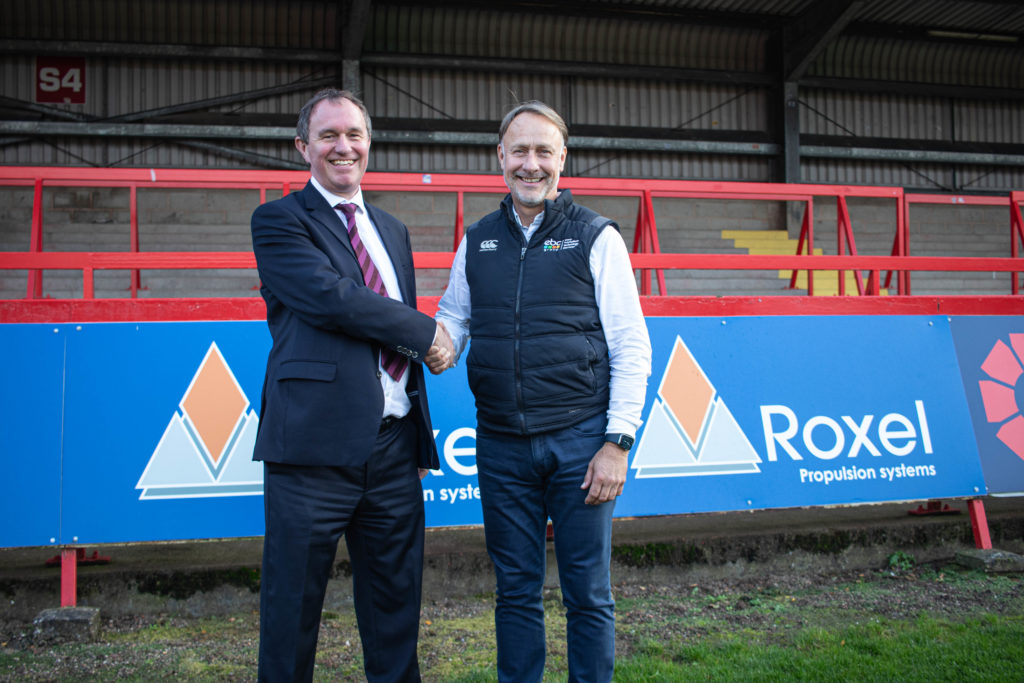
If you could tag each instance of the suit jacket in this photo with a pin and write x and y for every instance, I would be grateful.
(322, 399)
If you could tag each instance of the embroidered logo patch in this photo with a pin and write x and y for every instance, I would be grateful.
(489, 245)
(560, 245)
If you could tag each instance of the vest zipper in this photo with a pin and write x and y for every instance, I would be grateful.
(519, 370)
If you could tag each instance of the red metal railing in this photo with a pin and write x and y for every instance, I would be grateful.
(646, 240)
(1016, 230)
(647, 256)
(90, 262)
(901, 245)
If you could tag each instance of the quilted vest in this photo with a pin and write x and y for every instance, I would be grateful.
(538, 359)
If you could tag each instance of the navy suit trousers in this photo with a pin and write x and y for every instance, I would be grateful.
(378, 507)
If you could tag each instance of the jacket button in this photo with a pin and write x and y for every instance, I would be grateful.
(379, 374)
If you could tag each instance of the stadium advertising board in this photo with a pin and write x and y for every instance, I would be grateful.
(772, 412)
(140, 432)
(991, 355)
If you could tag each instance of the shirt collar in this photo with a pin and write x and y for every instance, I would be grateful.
(537, 220)
(333, 200)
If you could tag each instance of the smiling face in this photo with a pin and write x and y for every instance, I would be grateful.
(532, 156)
(338, 149)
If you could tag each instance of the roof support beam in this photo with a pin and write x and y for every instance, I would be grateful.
(578, 69)
(144, 130)
(807, 36)
(241, 155)
(107, 50)
(789, 123)
(185, 134)
(959, 92)
(353, 21)
(913, 155)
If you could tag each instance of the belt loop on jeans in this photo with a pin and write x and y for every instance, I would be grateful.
(389, 422)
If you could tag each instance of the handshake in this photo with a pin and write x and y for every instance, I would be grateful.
(441, 354)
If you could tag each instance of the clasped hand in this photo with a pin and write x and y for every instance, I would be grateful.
(441, 354)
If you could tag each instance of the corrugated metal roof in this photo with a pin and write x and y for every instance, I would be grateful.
(314, 23)
(830, 112)
(973, 15)
(439, 95)
(917, 176)
(268, 23)
(543, 51)
(992, 16)
(863, 57)
(770, 7)
(486, 32)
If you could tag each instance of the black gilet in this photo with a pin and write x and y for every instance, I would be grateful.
(538, 359)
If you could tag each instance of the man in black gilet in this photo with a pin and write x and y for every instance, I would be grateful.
(558, 365)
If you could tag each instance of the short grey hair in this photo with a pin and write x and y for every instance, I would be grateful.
(539, 108)
(333, 94)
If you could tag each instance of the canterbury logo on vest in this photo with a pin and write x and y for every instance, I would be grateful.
(489, 245)
(560, 245)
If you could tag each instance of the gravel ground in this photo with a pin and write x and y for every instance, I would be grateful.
(457, 633)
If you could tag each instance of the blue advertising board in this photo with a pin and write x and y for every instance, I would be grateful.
(31, 409)
(120, 407)
(991, 356)
(121, 432)
(772, 412)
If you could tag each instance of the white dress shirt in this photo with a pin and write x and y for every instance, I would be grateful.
(629, 347)
(396, 402)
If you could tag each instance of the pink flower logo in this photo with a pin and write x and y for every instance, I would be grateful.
(1002, 396)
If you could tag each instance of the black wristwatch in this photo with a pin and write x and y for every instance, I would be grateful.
(623, 441)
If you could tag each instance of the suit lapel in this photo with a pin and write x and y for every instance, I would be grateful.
(324, 213)
(390, 234)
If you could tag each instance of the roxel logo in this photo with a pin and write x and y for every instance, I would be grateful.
(206, 449)
(690, 430)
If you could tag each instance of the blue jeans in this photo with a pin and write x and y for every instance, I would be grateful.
(523, 482)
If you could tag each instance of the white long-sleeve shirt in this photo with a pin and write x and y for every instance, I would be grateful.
(629, 347)
(396, 402)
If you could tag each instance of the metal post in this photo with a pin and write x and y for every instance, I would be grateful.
(639, 243)
(133, 212)
(459, 220)
(790, 162)
(35, 277)
(903, 232)
(1016, 232)
(68, 577)
(652, 240)
(979, 524)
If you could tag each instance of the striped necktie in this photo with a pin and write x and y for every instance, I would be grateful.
(393, 362)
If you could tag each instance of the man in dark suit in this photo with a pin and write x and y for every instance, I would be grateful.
(345, 433)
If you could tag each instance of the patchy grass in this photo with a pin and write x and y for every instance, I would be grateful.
(906, 623)
(924, 649)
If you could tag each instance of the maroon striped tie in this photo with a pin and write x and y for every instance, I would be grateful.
(393, 362)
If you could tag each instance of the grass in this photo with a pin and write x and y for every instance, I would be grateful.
(905, 623)
(925, 649)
